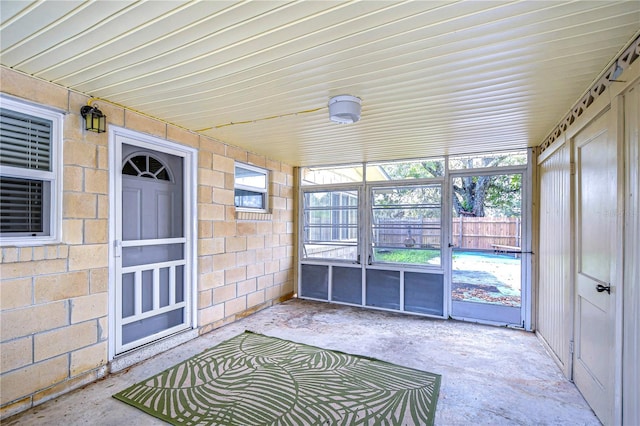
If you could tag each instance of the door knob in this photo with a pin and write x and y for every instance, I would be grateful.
(600, 288)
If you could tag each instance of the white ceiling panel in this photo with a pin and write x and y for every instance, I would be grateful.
(434, 77)
(31, 19)
(94, 33)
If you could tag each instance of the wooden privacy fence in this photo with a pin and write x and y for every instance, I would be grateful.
(467, 232)
(485, 232)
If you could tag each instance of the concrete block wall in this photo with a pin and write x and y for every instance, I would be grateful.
(54, 301)
(245, 258)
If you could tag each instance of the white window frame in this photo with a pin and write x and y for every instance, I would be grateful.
(52, 221)
(342, 211)
(264, 191)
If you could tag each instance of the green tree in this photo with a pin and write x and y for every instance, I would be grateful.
(501, 194)
(473, 195)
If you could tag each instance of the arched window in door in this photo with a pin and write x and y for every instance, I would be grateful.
(146, 166)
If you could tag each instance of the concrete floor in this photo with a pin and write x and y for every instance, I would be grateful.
(490, 375)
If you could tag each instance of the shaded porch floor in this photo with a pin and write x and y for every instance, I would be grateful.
(490, 375)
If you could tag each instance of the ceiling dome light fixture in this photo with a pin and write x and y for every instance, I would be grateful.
(344, 109)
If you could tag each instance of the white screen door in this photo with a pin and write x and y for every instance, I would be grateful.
(486, 242)
(153, 288)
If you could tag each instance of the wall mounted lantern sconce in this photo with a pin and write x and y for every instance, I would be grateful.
(94, 119)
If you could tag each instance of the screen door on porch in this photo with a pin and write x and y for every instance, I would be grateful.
(486, 241)
(151, 290)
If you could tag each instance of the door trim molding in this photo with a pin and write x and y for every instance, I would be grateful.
(190, 156)
(618, 127)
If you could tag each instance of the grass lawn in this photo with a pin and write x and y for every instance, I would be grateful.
(411, 256)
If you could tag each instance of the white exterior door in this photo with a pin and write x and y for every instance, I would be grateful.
(152, 245)
(596, 213)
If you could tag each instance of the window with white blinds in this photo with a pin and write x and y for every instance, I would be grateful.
(22, 204)
(25, 141)
(28, 172)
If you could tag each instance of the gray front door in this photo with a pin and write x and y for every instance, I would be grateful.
(152, 288)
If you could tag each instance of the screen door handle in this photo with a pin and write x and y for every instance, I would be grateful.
(117, 246)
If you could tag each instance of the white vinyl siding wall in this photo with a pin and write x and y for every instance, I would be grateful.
(554, 285)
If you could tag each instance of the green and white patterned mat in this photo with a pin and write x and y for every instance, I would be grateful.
(254, 379)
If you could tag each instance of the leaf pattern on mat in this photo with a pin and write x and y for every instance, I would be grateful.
(253, 379)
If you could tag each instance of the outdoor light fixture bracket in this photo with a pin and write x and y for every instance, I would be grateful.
(95, 120)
